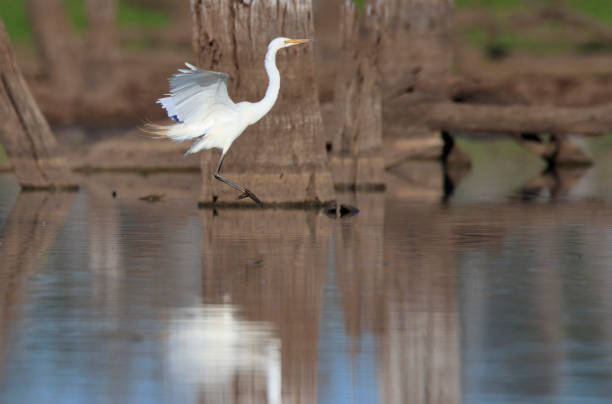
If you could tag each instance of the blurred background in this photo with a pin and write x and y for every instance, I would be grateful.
(96, 67)
(478, 279)
(547, 51)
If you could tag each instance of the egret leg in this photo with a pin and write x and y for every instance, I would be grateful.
(245, 192)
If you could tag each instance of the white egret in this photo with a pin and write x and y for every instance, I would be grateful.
(199, 103)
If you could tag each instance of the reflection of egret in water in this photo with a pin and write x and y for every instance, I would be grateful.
(272, 266)
(214, 350)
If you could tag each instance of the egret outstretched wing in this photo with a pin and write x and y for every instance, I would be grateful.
(195, 94)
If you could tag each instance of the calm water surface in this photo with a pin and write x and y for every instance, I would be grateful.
(498, 295)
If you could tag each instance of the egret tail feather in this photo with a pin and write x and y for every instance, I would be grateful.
(196, 146)
(155, 130)
(178, 132)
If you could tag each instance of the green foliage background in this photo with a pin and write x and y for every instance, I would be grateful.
(600, 9)
(14, 16)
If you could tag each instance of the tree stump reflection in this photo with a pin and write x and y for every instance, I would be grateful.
(27, 236)
(263, 263)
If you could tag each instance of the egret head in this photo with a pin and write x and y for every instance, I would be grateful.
(282, 42)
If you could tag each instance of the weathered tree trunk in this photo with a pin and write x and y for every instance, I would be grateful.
(416, 64)
(357, 134)
(328, 57)
(57, 46)
(282, 158)
(101, 43)
(24, 132)
(80, 72)
(417, 47)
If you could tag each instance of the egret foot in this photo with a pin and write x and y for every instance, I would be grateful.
(249, 194)
(245, 192)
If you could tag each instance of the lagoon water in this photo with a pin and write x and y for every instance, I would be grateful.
(498, 293)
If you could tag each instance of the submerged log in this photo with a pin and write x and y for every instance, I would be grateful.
(515, 119)
(282, 158)
(24, 132)
(526, 123)
(356, 158)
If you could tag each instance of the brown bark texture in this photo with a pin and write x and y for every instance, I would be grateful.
(58, 47)
(417, 46)
(101, 42)
(24, 132)
(357, 133)
(281, 158)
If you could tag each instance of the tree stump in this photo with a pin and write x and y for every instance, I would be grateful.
(357, 161)
(282, 158)
(101, 44)
(417, 46)
(24, 132)
(57, 46)
(80, 71)
(416, 64)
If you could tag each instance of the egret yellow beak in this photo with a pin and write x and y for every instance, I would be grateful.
(296, 41)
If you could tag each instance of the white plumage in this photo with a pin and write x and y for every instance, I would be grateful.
(199, 102)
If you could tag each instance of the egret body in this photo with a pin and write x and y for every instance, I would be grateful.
(199, 103)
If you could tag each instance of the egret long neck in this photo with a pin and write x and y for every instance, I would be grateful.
(267, 102)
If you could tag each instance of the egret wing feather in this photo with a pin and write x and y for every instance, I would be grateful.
(195, 94)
